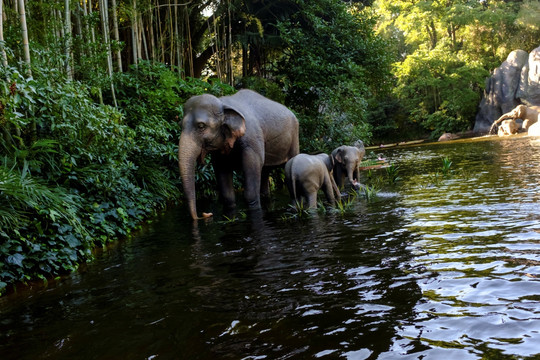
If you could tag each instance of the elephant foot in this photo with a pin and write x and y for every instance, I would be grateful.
(356, 185)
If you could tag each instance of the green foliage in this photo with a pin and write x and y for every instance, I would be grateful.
(444, 51)
(264, 87)
(440, 90)
(330, 67)
(75, 174)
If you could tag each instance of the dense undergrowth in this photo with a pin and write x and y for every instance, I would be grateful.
(75, 173)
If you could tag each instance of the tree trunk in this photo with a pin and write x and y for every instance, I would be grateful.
(432, 31)
(116, 36)
(177, 36)
(67, 37)
(92, 31)
(106, 38)
(152, 41)
(161, 38)
(134, 32)
(143, 38)
(189, 47)
(229, 49)
(2, 49)
(24, 33)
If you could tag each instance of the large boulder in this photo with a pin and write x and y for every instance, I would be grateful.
(516, 81)
(534, 130)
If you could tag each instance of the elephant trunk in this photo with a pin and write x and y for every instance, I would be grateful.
(188, 151)
(350, 175)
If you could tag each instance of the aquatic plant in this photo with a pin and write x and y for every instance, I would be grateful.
(446, 164)
(297, 210)
(241, 215)
(370, 192)
(392, 173)
(346, 204)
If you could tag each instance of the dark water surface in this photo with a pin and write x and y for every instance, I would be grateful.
(434, 268)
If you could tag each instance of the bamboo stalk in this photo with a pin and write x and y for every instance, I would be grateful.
(116, 35)
(2, 49)
(24, 33)
(67, 38)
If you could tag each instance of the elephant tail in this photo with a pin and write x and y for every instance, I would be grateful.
(293, 187)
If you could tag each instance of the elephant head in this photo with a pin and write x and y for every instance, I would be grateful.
(346, 162)
(209, 125)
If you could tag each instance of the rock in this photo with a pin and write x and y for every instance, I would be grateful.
(534, 129)
(448, 137)
(516, 81)
(529, 88)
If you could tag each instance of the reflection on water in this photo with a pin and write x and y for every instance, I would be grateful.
(436, 266)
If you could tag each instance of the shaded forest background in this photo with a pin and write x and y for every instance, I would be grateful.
(92, 91)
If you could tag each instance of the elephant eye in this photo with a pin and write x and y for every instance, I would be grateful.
(201, 126)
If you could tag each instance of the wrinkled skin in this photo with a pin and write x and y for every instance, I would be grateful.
(529, 115)
(245, 132)
(346, 162)
(306, 174)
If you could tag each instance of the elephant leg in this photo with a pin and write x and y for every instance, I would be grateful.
(328, 190)
(253, 168)
(224, 178)
(338, 176)
(312, 199)
(265, 183)
(226, 190)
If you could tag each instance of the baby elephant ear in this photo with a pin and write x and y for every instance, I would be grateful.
(234, 127)
(339, 155)
(329, 162)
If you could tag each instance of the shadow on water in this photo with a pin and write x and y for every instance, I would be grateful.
(435, 266)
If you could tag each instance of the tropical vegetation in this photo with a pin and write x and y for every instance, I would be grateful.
(91, 95)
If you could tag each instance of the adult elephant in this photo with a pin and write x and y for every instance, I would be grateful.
(346, 162)
(244, 131)
(529, 115)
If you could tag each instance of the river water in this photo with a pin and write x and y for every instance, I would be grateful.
(436, 266)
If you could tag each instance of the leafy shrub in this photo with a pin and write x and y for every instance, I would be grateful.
(75, 174)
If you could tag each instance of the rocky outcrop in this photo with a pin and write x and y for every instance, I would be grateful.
(448, 137)
(534, 130)
(516, 81)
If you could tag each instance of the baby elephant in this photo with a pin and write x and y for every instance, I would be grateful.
(346, 162)
(306, 174)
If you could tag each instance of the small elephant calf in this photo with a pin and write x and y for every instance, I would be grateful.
(306, 174)
(346, 161)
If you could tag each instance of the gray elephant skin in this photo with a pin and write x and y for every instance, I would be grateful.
(306, 174)
(346, 162)
(242, 132)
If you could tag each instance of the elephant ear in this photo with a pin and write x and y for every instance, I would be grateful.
(522, 112)
(234, 126)
(339, 155)
(329, 162)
